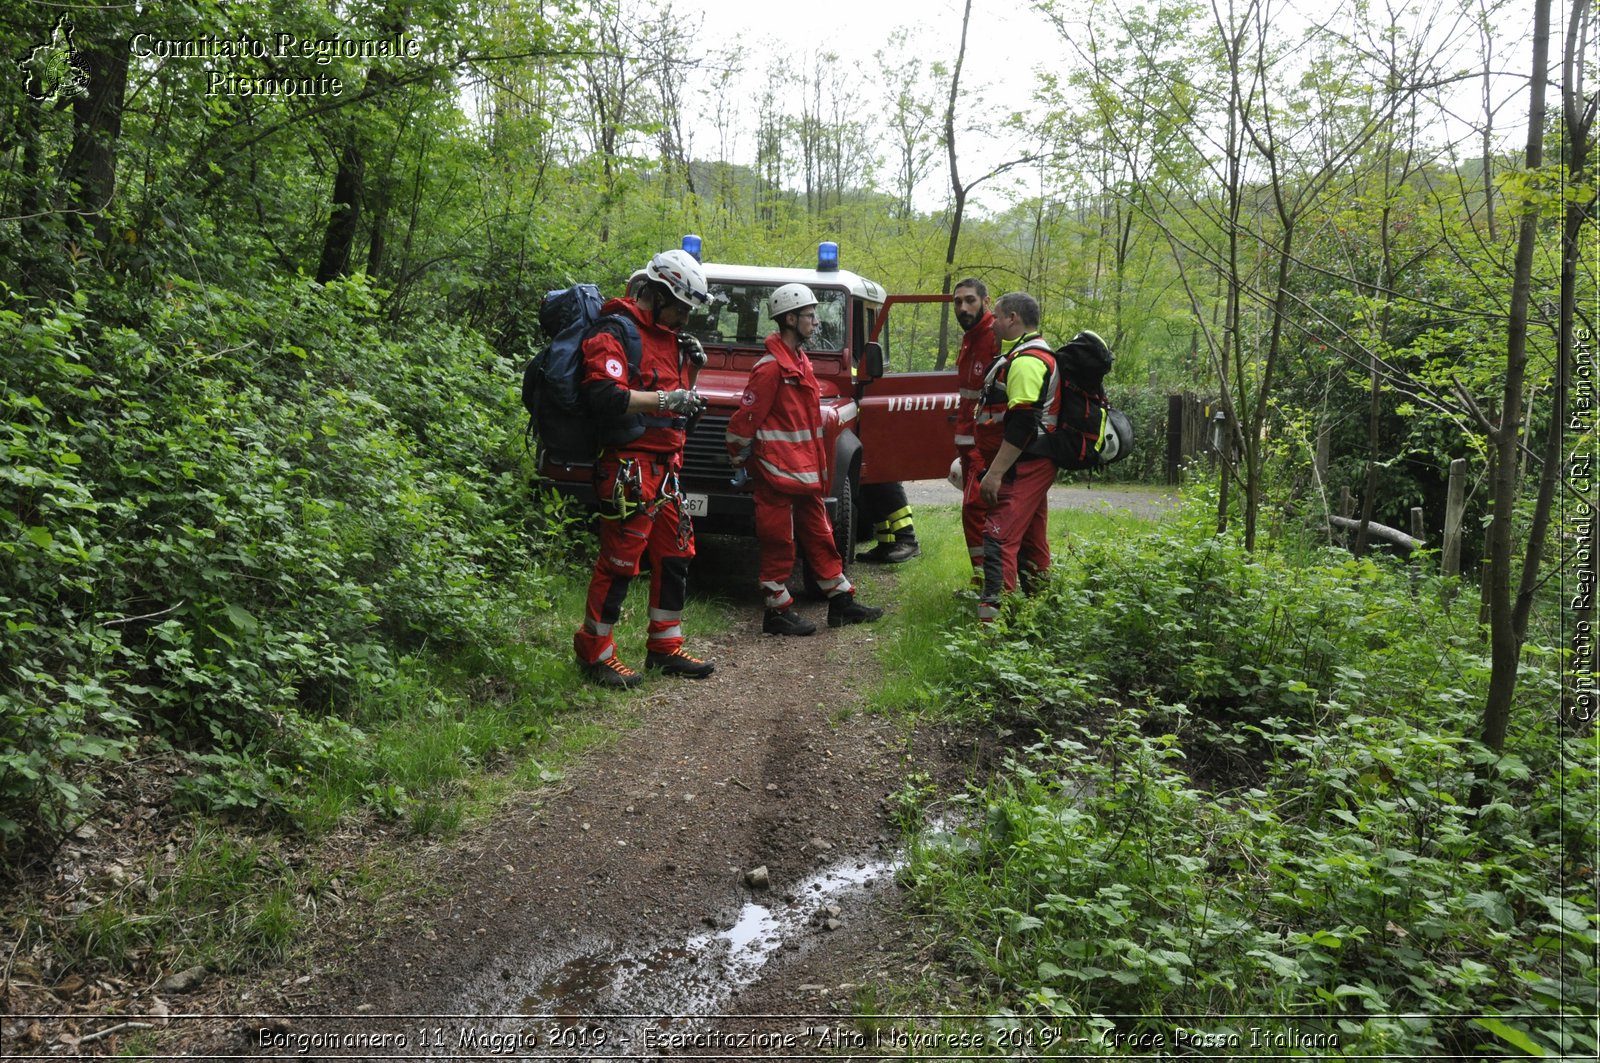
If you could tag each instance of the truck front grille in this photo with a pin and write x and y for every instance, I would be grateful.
(705, 453)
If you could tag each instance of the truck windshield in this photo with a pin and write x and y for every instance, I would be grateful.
(737, 316)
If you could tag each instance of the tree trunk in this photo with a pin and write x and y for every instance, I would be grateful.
(90, 169)
(957, 190)
(349, 183)
(1504, 642)
(345, 218)
(1375, 394)
(1577, 122)
(1258, 416)
(1488, 129)
(1369, 489)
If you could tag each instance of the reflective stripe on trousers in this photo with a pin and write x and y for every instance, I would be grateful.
(885, 529)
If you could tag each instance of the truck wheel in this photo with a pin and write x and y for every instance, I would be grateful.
(844, 520)
(844, 536)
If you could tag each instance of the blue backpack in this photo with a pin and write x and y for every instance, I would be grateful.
(552, 382)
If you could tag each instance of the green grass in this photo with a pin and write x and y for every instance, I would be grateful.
(229, 901)
(916, 649)
(441, 744)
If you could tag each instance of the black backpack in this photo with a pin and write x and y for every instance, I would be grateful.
(1090, 432)
(552, 382)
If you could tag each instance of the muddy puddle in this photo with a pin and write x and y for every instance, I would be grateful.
(598, 998)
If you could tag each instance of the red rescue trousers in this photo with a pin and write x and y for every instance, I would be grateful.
(974, 510)
(648, 525)
(779, 517)
(1016, 532)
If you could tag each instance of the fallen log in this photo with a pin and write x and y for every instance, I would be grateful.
(1390, 535)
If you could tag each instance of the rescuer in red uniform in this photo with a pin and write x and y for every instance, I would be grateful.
(643, 417)
(779, 426)
(974, 446)
(1019, 396)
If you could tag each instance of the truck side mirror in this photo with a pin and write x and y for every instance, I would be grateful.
(872, 360)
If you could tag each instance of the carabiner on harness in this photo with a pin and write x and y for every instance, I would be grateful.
(627, 491)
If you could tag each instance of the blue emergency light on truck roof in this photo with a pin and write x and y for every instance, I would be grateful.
(827, 256)
(691, 244)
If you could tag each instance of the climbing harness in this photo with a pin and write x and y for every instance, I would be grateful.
(628, 496)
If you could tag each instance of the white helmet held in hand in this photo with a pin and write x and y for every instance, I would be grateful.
(790, 297)
(682, 275)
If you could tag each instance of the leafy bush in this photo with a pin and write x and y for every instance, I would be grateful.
(1100, 881)
(223, 522)
(1279, 820)
(1231, 644)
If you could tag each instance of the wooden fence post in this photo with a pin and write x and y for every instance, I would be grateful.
(1175, 431)
(1418, 531)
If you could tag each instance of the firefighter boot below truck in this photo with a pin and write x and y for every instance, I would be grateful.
(878, 427)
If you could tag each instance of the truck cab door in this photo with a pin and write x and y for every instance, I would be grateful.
(908, 427)
(908, 418)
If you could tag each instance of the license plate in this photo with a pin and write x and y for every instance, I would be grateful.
(696, 505)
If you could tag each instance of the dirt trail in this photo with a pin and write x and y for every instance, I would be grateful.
(624, 892)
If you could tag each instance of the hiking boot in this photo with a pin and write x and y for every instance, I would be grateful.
(612, 673)
(785, 622)
(844, 609)
(679, 663)
(875, 555)
(890, 553)
(902, 551)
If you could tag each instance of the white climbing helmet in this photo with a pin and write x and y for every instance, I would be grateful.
(682, 275)
(789, 297)
(1117, 442)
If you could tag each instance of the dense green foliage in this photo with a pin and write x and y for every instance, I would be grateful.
(1251, 796)
(234, 523)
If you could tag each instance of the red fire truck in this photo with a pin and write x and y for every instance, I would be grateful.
(880, 427)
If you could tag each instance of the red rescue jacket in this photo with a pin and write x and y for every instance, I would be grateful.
(979, 349)
(604, 360)
(779, 422)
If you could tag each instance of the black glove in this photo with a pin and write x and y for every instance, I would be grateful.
(690, 350)
(683, 401)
